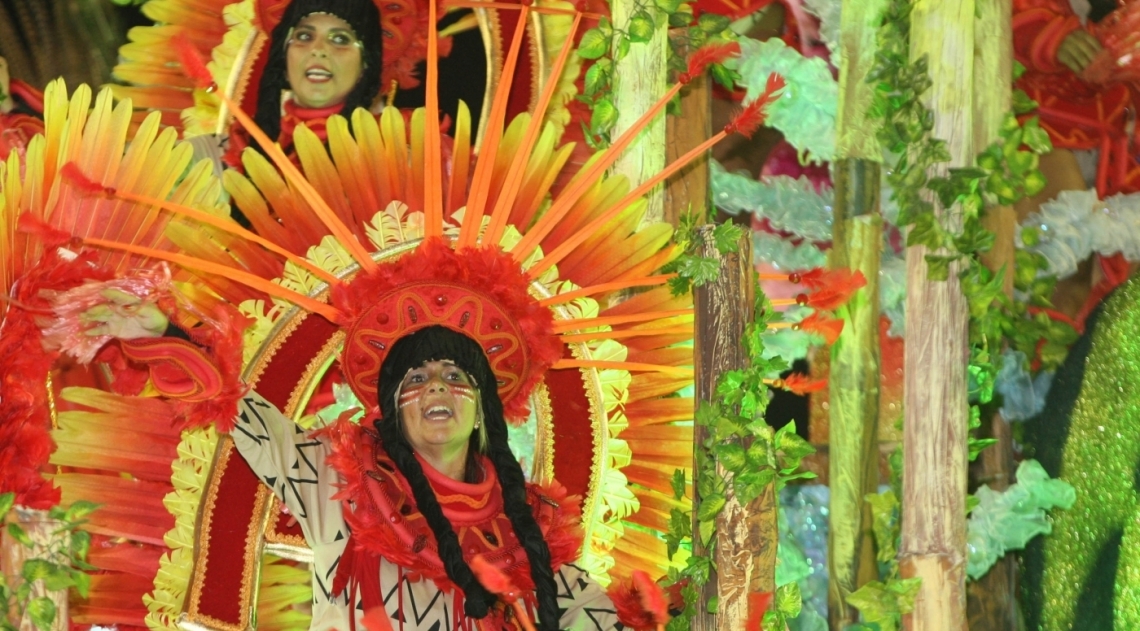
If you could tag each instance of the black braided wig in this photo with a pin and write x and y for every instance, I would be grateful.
(437, 343)
(362, 16)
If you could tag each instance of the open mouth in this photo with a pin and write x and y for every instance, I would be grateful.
(438, 413)
(318, 74)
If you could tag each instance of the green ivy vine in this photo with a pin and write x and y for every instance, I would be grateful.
(737, 438)
(605, 44)
(1003, 173)
(62, 566)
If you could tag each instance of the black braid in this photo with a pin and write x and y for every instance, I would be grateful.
(522, 518)
(477, 600)
(439, 343)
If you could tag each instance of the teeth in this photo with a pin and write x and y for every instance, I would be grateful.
(319, 74)
(437, 409)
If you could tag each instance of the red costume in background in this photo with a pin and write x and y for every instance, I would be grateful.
(1075, 113)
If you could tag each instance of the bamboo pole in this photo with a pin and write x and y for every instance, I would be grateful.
(45, 535)
(935, 427)
(638, 81)
(746, 536)
(853, 463)
(992, 600)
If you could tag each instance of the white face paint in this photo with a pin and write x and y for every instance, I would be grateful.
(438, 406)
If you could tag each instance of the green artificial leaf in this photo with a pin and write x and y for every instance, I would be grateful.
(79, 510)
(17, 532)
(80, 544)
(773, 621)
(884, 523)
(791, 446)
(641, 27)
(712, 23)
(597, 76)
(927, 231)
(678, 482)
(1035, 138)
(724, 76)
(58, 578)
(82, 581)
(698, 569)
(594, 44)
(788, 600)
(972, 502)
(977, 445)
(710, 507)
(7, 500)
(1034, 183)
(707, 529)
(712, 604)
(1021, 103)
(668, 6)
(42, 613)
(1018, 69)
(1022, 162)
(680, 19)
(726, 237)
(750, 484)
(731, 456)
(1003, 188)
(680, 527)
(622, 48)
(604, 115)
(700, 270)
(35, 569)
(938, 266)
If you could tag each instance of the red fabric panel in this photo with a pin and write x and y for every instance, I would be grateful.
(237, 490)
(574, 448)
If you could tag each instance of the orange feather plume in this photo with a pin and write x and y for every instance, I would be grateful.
(191, 61)
(799, 383)
(819, 324)
(758, 603)
(748, 121)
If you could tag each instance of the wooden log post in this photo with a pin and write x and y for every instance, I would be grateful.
(746, 536)
(45, 536)
(853, 463)
(937, 352)
(638, 81)
(688, 189)
(992, 599)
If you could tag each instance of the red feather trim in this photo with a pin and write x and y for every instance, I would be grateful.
(376, 619)
(25, 420)
(652, 597)
(191, 61)
(801, 384)
(630, 600)
(71, 172)
(748, 121)
(835, 289)
(378, 494)
(494, 579)
(820, 324)
(706, 56)
(758, 603)
(50, 237)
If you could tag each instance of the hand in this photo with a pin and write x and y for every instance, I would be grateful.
(125, 316)
(1077, 50)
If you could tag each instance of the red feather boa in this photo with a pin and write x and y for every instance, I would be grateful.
(25, 418)
(384, 520)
